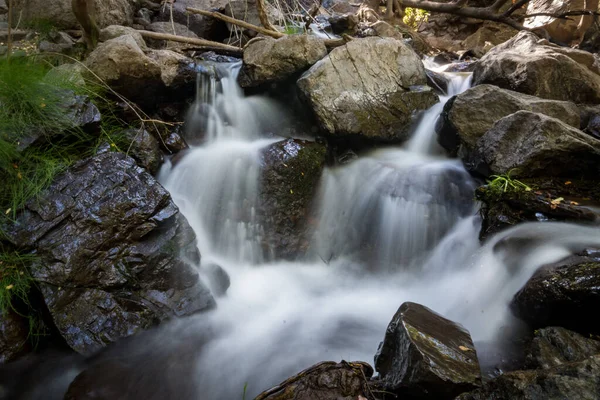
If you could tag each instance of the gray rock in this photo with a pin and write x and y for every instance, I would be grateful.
(167, 27)
(217, 278)
(144, 149)
(562, 294)
(112, 248)
(527, 65)
(290, 176)
(370, 87)
(202, 26)
(555, 346)
(579, 380)
(143, 16)
(425, 353)
(472, 113)
(176, 70)
(324, 381)
(269, 60)
(534, 144)
(115, 31)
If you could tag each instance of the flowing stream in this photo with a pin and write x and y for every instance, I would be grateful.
(398, 224)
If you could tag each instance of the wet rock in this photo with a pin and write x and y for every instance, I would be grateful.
(579, 380)
(269, 60)
(178, 72)
(172, 140)
(217, 277)
(424, 353)
(115, 31)
(462, 127)
(290, 176)
(59, 13)
(144, 149)
(437, 81)
(555, 346)
(463, 66)
(527, 65)
(112, 246)
(122, 64)
(503, 209)
(532, 144)
(560, 294)
(14, 332)
(324, 381)
(377, 102)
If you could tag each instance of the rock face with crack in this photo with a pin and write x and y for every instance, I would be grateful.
(113, 248)
(370, 87)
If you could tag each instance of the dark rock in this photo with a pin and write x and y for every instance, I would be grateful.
(111, 245)
(172, 141)
(593, 126)
(324, 381)
(290, 176)
(217, 278)
(143, 16)
(503, 209)
(562, 294)
(439, 82)
(532, 144)
(202, 26)
(425, 354)
(218, 58)
(14, 332)
(463, 66)
(578, 380)
(462, 127)
(555, 346)
(527, 65)
(269, 60)
(345, 23)
(144, 149)
(377, 103)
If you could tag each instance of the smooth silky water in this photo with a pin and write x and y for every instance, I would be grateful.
(398, 224)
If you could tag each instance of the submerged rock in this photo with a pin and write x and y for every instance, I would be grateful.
(14, 332)
(370, 87)
(112, 247)
(424, 353)
(324, 381)
(555, 346)
(562, 294)
(578, 380)
(269, 60)
(527, 65)
(461, 127)
(533, 144)
(217, 278)
(290, 175)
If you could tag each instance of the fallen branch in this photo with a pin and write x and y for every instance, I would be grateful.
(202, 43)
(240, 23)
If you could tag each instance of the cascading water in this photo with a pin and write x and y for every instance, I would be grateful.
(396, 225)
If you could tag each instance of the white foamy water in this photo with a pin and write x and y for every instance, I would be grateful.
(396, 225)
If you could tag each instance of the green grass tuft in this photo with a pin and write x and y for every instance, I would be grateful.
(500, 184)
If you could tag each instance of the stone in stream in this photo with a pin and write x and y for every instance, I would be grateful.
(425, 354)
(562, 294)
(576, 380)
(460, 127)
(290, 175)
(370, 88)
(112, 250)
(555, 346)
(533, 144)
(529, 65)
(324, 381)
(14, 332)
(270, 60)
(217, 278)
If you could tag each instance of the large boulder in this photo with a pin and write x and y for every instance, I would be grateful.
(268, 60)
(577, 380)
(324, 381)
(489, 35)
(462, 127)
(60, 14)
(121, 63)
(425, 353)
(555, 346)
(291, 170)
(533, 144)
(370, 87)
(14, 332)
(562, 294)
(171, 29)
(536, 67)
(112, 247)
(115, 31)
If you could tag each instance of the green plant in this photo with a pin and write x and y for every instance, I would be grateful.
(244, 392)
(413, 17)
(504, 183)
(15, 280)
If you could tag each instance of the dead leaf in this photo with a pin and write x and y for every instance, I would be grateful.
(557, 201)
(573, 203)
(463, 348)
(568, 182)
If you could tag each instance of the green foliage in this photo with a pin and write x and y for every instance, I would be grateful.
(244, 392)
(504, 183)
(15, 281)
(44, 27)
(414, 16)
